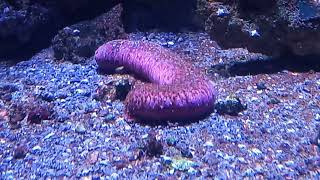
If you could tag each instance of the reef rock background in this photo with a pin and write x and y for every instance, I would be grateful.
(272, 27)
(29, 25)
(61, 117)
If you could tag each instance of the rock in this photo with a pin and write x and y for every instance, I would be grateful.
(36, 149)
(171, 141)
(79, 41)
(183, 164)
(6, 91)
(185, 152)
(47, 96)
(39, 113)
(80, 128)
(275, 28)
(19, 152)
(16, 114)
(231, 106)
(110, 117)
(317, 117)
(316, 140)
(122, 88)
(273, 100)
(62, 115)
(120, 164)
(169, 15)
(208, 144)
(261, 86)
(153, 147)
(27, 26)
(18, 23)
(93, 157)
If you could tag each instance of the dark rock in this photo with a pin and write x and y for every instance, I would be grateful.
(122, 88)
(60, 95)
(256, 6)
(47, 96)
(78, 42)
(185, 152)
(211, 159)
(316, 140)
(6, 97)
(16, 114)
(26, 26)
(273, 100)
(171, 141)
(275, 28)
(261, 86)
(312, 163)
(153, 147)
(138, 155)
(168, 15)
(15, 125)
(109, 118)
(18, 24)
(8, 88)
(301, 170)
(6, 91)
(38, 114)
(231, 106)
(19, 152)
(100, 93)
(120, 164)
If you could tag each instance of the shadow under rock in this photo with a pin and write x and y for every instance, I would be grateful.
(269, 66)
(170, 122)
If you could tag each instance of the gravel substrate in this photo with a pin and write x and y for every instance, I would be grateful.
(59, 119)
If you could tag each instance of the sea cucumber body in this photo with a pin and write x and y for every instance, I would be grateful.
(177, 90)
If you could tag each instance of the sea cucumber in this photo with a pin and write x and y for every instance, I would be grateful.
(176, 90)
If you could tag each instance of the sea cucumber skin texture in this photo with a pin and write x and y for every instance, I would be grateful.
(177, 90)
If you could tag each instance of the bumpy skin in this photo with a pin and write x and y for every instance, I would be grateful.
(177, 90)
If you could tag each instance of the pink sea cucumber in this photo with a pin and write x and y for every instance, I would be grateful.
(177, 90)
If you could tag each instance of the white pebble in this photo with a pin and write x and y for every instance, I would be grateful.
(208, 144)
(170, 43)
